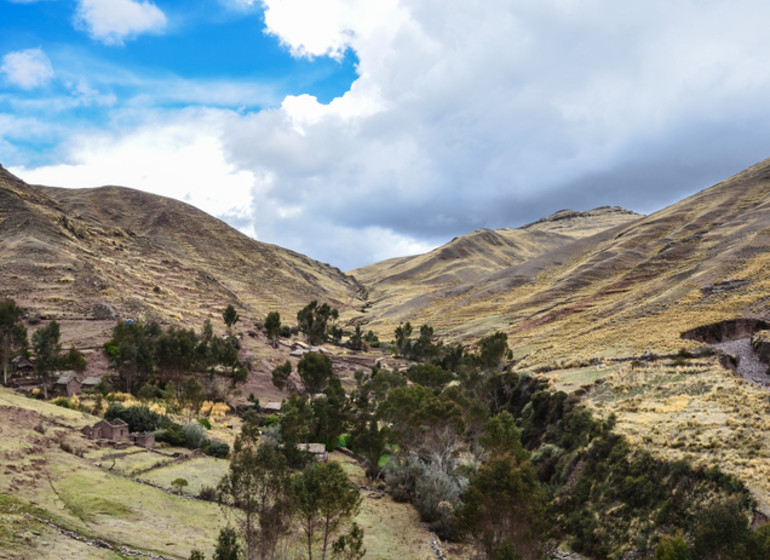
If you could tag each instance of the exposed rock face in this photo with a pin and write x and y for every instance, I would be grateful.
(728, 285)
(761, 344)
(725, 331)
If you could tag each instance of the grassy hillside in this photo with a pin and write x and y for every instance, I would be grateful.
(403, 288)
(100, 254)
(59, 490)
(623, 291)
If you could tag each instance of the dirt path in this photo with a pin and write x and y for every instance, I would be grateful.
(749, 366)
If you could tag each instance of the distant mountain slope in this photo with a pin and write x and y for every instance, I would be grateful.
(399, 287)
(625, 290)
(113, 251)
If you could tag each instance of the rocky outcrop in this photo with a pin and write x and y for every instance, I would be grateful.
(724, 331)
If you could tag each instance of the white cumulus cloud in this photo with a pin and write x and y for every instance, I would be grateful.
(463, 115)
(27, 69)
(326, 27)
(178, 156)
(113, 21)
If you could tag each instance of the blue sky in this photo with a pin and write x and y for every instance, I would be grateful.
(353, 131)
(79, 71)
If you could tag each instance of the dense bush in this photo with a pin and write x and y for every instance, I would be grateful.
(217, 449)
(208, 493)
(138, 418)
(65, 402)
(194, 435)
(173, 434)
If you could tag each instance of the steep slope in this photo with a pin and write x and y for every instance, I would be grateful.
(109, 252)
(398, 288)
(631, 289)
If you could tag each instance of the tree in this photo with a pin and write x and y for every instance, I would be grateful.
(403, 335)
(369, 441)
(273, 326)
(315, 371)
(225, 353)
(492, 350)
(281, 375)
(501, 436)
(13, 334)
(371, 339)
(192, 393)
(760, 542)
(356, 341)
(208, 330)
(504, 509)
(179, 485)
(45, 342)
(194, 435)
(258, 485)
(295, 426)
(227, 545)
(131, 351)
(350, 546)
(74, 359)
(314, 321)
(429, 375)
(326, 501)
(330, 413)
(175, 354)
(424, 347)
(230, 316)
(721, 532)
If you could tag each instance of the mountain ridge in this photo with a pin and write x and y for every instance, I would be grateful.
(113, 251)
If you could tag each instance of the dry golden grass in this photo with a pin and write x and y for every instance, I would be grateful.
(114, 252)
(634, 290)
(699, 411)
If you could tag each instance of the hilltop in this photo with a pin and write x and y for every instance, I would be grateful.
(400, 289)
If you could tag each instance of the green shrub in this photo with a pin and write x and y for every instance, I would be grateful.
(217, 449)
(672, 548)
(138, 418)
(179, 485)
(65, 402)
(194, 435)
(208, 493)
(205, 422)
(173, 435)
(342, 441)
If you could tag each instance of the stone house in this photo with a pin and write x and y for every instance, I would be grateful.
(115, 430)
(318, 450)
(145, 439)
(67, 384)
(89, 383)
(273, 407)
(22, 365)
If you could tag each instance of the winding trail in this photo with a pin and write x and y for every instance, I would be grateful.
(749, 366)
